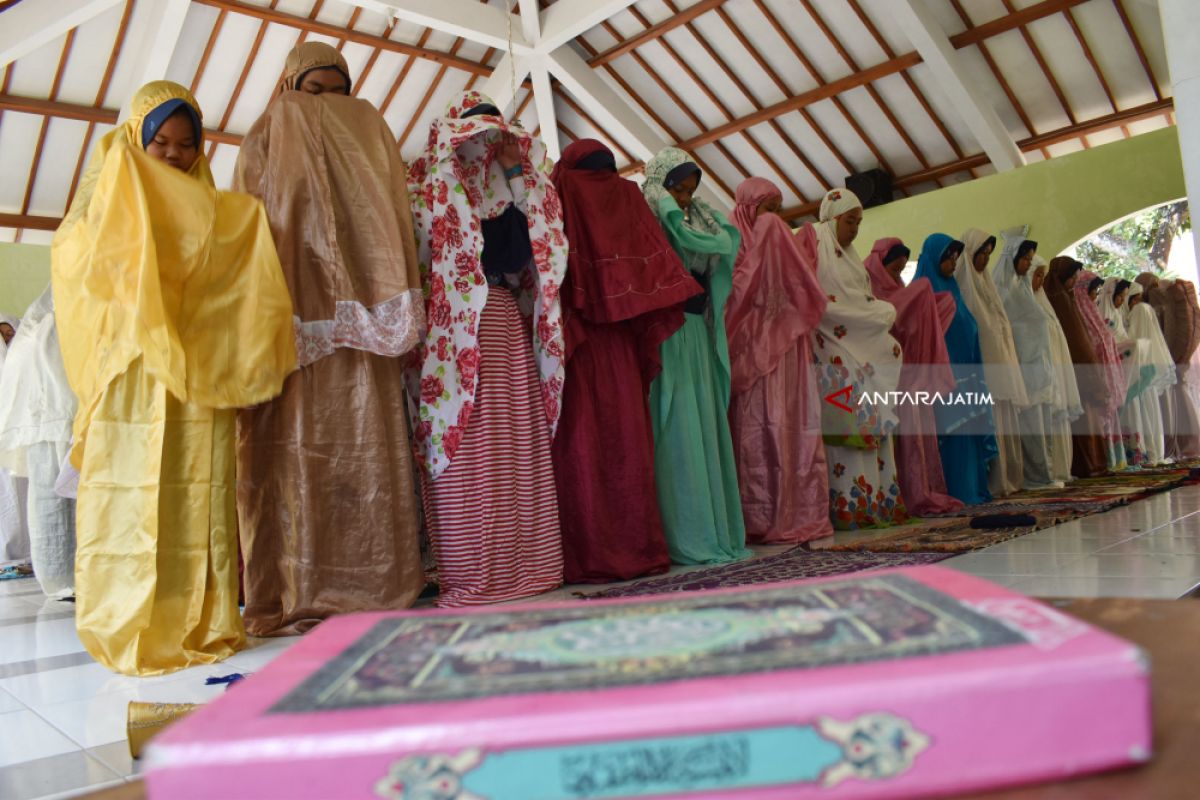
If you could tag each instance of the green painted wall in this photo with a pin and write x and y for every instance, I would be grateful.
(24, 274)
(1062, 200)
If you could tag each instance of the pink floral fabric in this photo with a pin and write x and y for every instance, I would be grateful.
(453, 188)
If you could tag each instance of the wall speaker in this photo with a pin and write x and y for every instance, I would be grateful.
(873, 187)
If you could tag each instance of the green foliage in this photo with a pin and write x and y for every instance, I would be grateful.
(1141, 243)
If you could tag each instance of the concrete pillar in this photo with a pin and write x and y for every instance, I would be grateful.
(1180, 21)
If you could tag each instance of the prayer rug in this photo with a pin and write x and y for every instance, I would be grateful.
(793, 565)
(953, 534)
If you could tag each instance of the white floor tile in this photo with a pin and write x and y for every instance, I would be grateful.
(986, 563)
(1145, 588)
(1157, 543)
(9, 703)
(1135, 565)
(101, 719)
(259, 653)
(89, 680)
(24, 736)
(54, 637)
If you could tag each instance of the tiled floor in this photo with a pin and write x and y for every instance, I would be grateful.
(62, 716)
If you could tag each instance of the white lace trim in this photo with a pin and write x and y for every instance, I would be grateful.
(391, 328)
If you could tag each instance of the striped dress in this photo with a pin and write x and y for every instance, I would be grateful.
(493, 514)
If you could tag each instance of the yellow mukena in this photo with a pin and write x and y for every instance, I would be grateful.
(172, 311)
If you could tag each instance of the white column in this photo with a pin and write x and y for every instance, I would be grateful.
(1180, 21)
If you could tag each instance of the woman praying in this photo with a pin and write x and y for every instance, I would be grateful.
(1065, 405)
(966, 439)
(922, 319)
(1001, 363)
(1110, 368)
(325, 470)
(1089, 451)
(775, 413)
(855, 353)
(695, 468)
(622, 298)
(1141, 323)
(1031, 336)
(37, 409)
(172, 311)
(489, 376)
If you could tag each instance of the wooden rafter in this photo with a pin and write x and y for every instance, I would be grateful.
(809, 119)
(900, 63)
(101, 116)
(716, 101)
(208, 50)
(1055, 86)
(986, 52)
(654, 76)
(372, 59)
(888, 52)
(650, 112)
(1091, 59)
(39, 148)
(335, 31)
(429, 93)
(1137, 46)
(1157, 108)
(241, 81)
(101, 93)
(570, 103)
(653, 33)
(832, 38)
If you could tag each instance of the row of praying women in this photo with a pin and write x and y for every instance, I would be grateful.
(592, 381)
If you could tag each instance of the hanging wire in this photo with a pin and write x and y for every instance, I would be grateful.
(512, 61)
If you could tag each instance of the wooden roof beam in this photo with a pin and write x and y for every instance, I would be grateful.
(100, 116)
(1085, 128)
(882, 70)
(655, 31)
(931, 41)
(29, 222)
(358, 37)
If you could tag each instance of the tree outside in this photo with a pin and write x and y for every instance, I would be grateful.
(1136, 244)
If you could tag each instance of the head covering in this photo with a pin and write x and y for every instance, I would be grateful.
(776, 299)
(15, 323)
(962, 343)
(1103, 341)
(1181, 319)
(1031, 334)
(882, 281)
(751, 193)
(155, 119)
(1064, 400)
(307, 56)
(837, 202)
(681, 173)
(1142, 324)
(455, 184)
(922, 319)
(705, 241)
(148, 98)
(157, 264)
(620, 266)
(854, 345)
(1000, 359)
(1109, 311)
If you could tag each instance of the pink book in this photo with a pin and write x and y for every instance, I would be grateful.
(898, 683)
